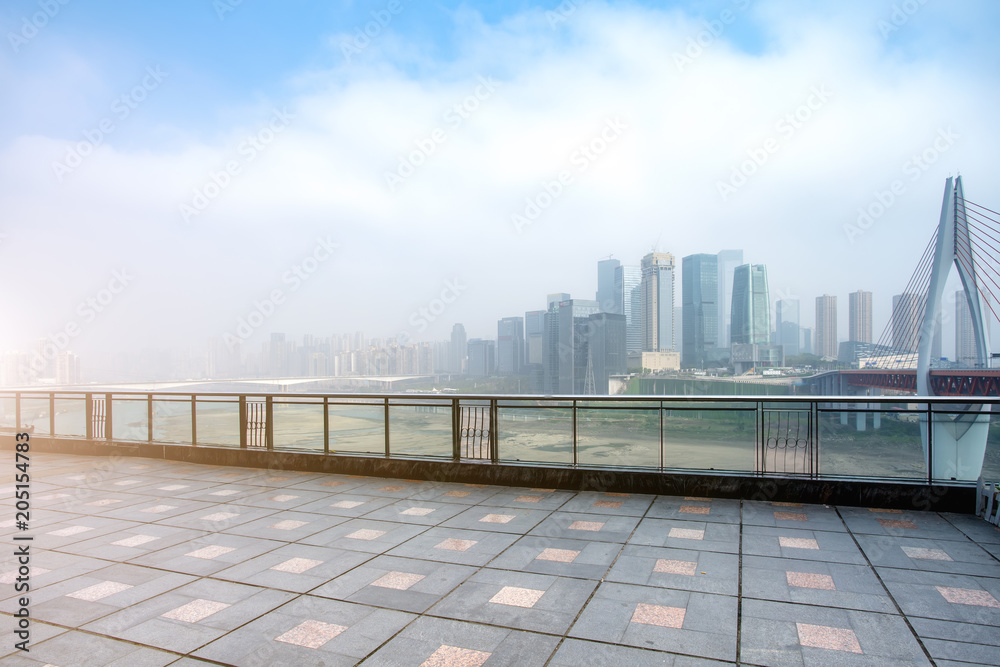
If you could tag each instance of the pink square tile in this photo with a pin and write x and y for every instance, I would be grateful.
(392, 489)
(544, 490)
(70, 531)
(135, 541)
(820, 582)
(608, 504)
(288, 524)
(195, 611)
(498, 518)
(654, 614)
(790, 516)
(512, 596)
(417, 511)
(558, 555)
(697, 500)
(277, 479)
(400, 581)
(777, 504)
(832, 639)
(687, 568)
(366, 534)
(347, 504)
(458, 494)
(694, 509)
(99, 591)
(225, 492)
(686, 534)
(527, 499)
(210, 553)
(969, 596)
(895, 523)
(173, 487)
(296, 565)
(926, 554)
(104, 502)
(618, 495)
(451, 544)
(158, 509)
(798, 543)
(592, 526)
(219, 516)
(884, 511)
(453, 656)
(311, 634)
(333, 482)
(283, 498)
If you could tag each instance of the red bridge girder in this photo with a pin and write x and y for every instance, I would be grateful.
(943, 383)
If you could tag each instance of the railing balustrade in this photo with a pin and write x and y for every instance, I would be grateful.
(795, 436)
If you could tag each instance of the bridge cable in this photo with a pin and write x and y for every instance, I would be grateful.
(968, 262)
(887, 338)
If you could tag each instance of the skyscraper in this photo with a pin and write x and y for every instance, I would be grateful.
(459, 350)
(606, 353)
(728, 261)
(482, 357)
(510, 346)
(606, 285)
(787, 314)
(657, 288)
(860, 316)
(628, 302)
(700, 309)
(751, 311)
(827, 344)
(965, 336)
(534, 330)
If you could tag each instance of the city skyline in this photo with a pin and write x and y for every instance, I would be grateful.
(167, 180)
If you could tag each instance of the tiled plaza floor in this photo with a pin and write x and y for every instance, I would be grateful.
(142, 563)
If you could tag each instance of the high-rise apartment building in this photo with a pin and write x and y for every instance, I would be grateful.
(751, 311)
(482, 357)
(606, 284)
(459, 350)
(510, 346)
(628, 302)
(827, 344)
(787, 327)
(700, 309)
(657, 289)
(860, 317)
(534, 330)
(728, 261)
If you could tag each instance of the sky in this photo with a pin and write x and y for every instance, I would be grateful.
(175, 171)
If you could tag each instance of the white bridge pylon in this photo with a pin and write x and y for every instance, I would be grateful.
(955, 444)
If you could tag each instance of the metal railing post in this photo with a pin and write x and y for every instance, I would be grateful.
(456, 430)
(814, 436)
(17, 412)
(52, 415)
(89, 410)
(269, 423)
(326, 424)
(659, 412)
(761, 442)
(149, 418)
(494, 434)
(194, 421)
(108, 418)
(575, 453)
(386, 403)
(243, 422)
(930, 442)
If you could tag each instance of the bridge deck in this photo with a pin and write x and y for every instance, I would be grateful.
(152, 562)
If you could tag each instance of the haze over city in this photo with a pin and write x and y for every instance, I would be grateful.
(362, 159)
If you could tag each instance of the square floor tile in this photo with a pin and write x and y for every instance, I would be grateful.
(651, 618)
(450, 545)
(828, 546)
(294, 567)
(575, 525)
(815, 582)
(700, 535)
(498, 519)
(685, 569)
(560, 557)
(517, 600)
(692, 508)
(397, 583)
(365, 535)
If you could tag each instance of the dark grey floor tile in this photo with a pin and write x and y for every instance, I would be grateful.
(699, 535)
(683, 569)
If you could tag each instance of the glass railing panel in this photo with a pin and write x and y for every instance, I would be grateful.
(357, 428)
(71, 417)
(537, 435)
(709, 437)
(298, 425)
(420, 430)
(991, 460)
(960, 441)
(618, 437)
(878, 443)
(172, 420)
(35, 415)
(130, 419)
(218, 421)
